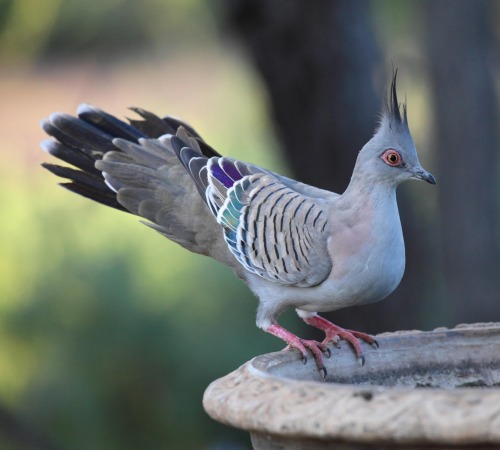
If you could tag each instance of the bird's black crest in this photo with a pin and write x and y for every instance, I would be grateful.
(392, 107)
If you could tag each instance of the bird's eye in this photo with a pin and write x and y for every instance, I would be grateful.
(392, 158)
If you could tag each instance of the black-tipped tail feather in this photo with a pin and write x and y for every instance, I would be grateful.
(81, 141)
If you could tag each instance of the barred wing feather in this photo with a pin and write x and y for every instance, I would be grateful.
(273, 230)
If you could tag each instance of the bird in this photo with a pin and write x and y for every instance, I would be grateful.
(294, 245)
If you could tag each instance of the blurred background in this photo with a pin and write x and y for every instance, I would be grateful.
(109, 333)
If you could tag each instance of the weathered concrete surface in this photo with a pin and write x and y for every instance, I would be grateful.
(419, 389)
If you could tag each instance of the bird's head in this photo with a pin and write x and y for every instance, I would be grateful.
(390, 156)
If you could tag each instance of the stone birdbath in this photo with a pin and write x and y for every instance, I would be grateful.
(438, 389)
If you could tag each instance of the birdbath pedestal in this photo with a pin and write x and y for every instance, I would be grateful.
(419, 390)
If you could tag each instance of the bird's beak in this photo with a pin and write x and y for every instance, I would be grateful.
(421, 174)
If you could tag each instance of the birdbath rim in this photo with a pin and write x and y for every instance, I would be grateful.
(440, 387)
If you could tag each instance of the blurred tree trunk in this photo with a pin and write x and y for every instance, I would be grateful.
(460, 46)
(318, 60)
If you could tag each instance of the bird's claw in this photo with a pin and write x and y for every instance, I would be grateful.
(316, 348)
(335, 333)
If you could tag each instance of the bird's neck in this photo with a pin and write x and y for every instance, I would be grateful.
(362, 187)
(375, 202)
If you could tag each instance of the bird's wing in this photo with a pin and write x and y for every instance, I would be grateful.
(280, 234)
(273, 230)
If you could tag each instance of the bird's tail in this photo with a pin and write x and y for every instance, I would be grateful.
(85, 139)
(137, 167)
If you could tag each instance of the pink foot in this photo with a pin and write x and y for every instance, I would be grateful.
(316, 348)
(334, 333)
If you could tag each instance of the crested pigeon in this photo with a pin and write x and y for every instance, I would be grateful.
(295, 246)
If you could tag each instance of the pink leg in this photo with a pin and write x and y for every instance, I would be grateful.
(335, 333)
(316, 348)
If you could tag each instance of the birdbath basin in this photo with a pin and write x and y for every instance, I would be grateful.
(438, 389)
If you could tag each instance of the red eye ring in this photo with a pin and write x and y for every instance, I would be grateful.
(392, 158)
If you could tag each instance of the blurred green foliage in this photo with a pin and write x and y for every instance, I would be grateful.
(32, 30)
